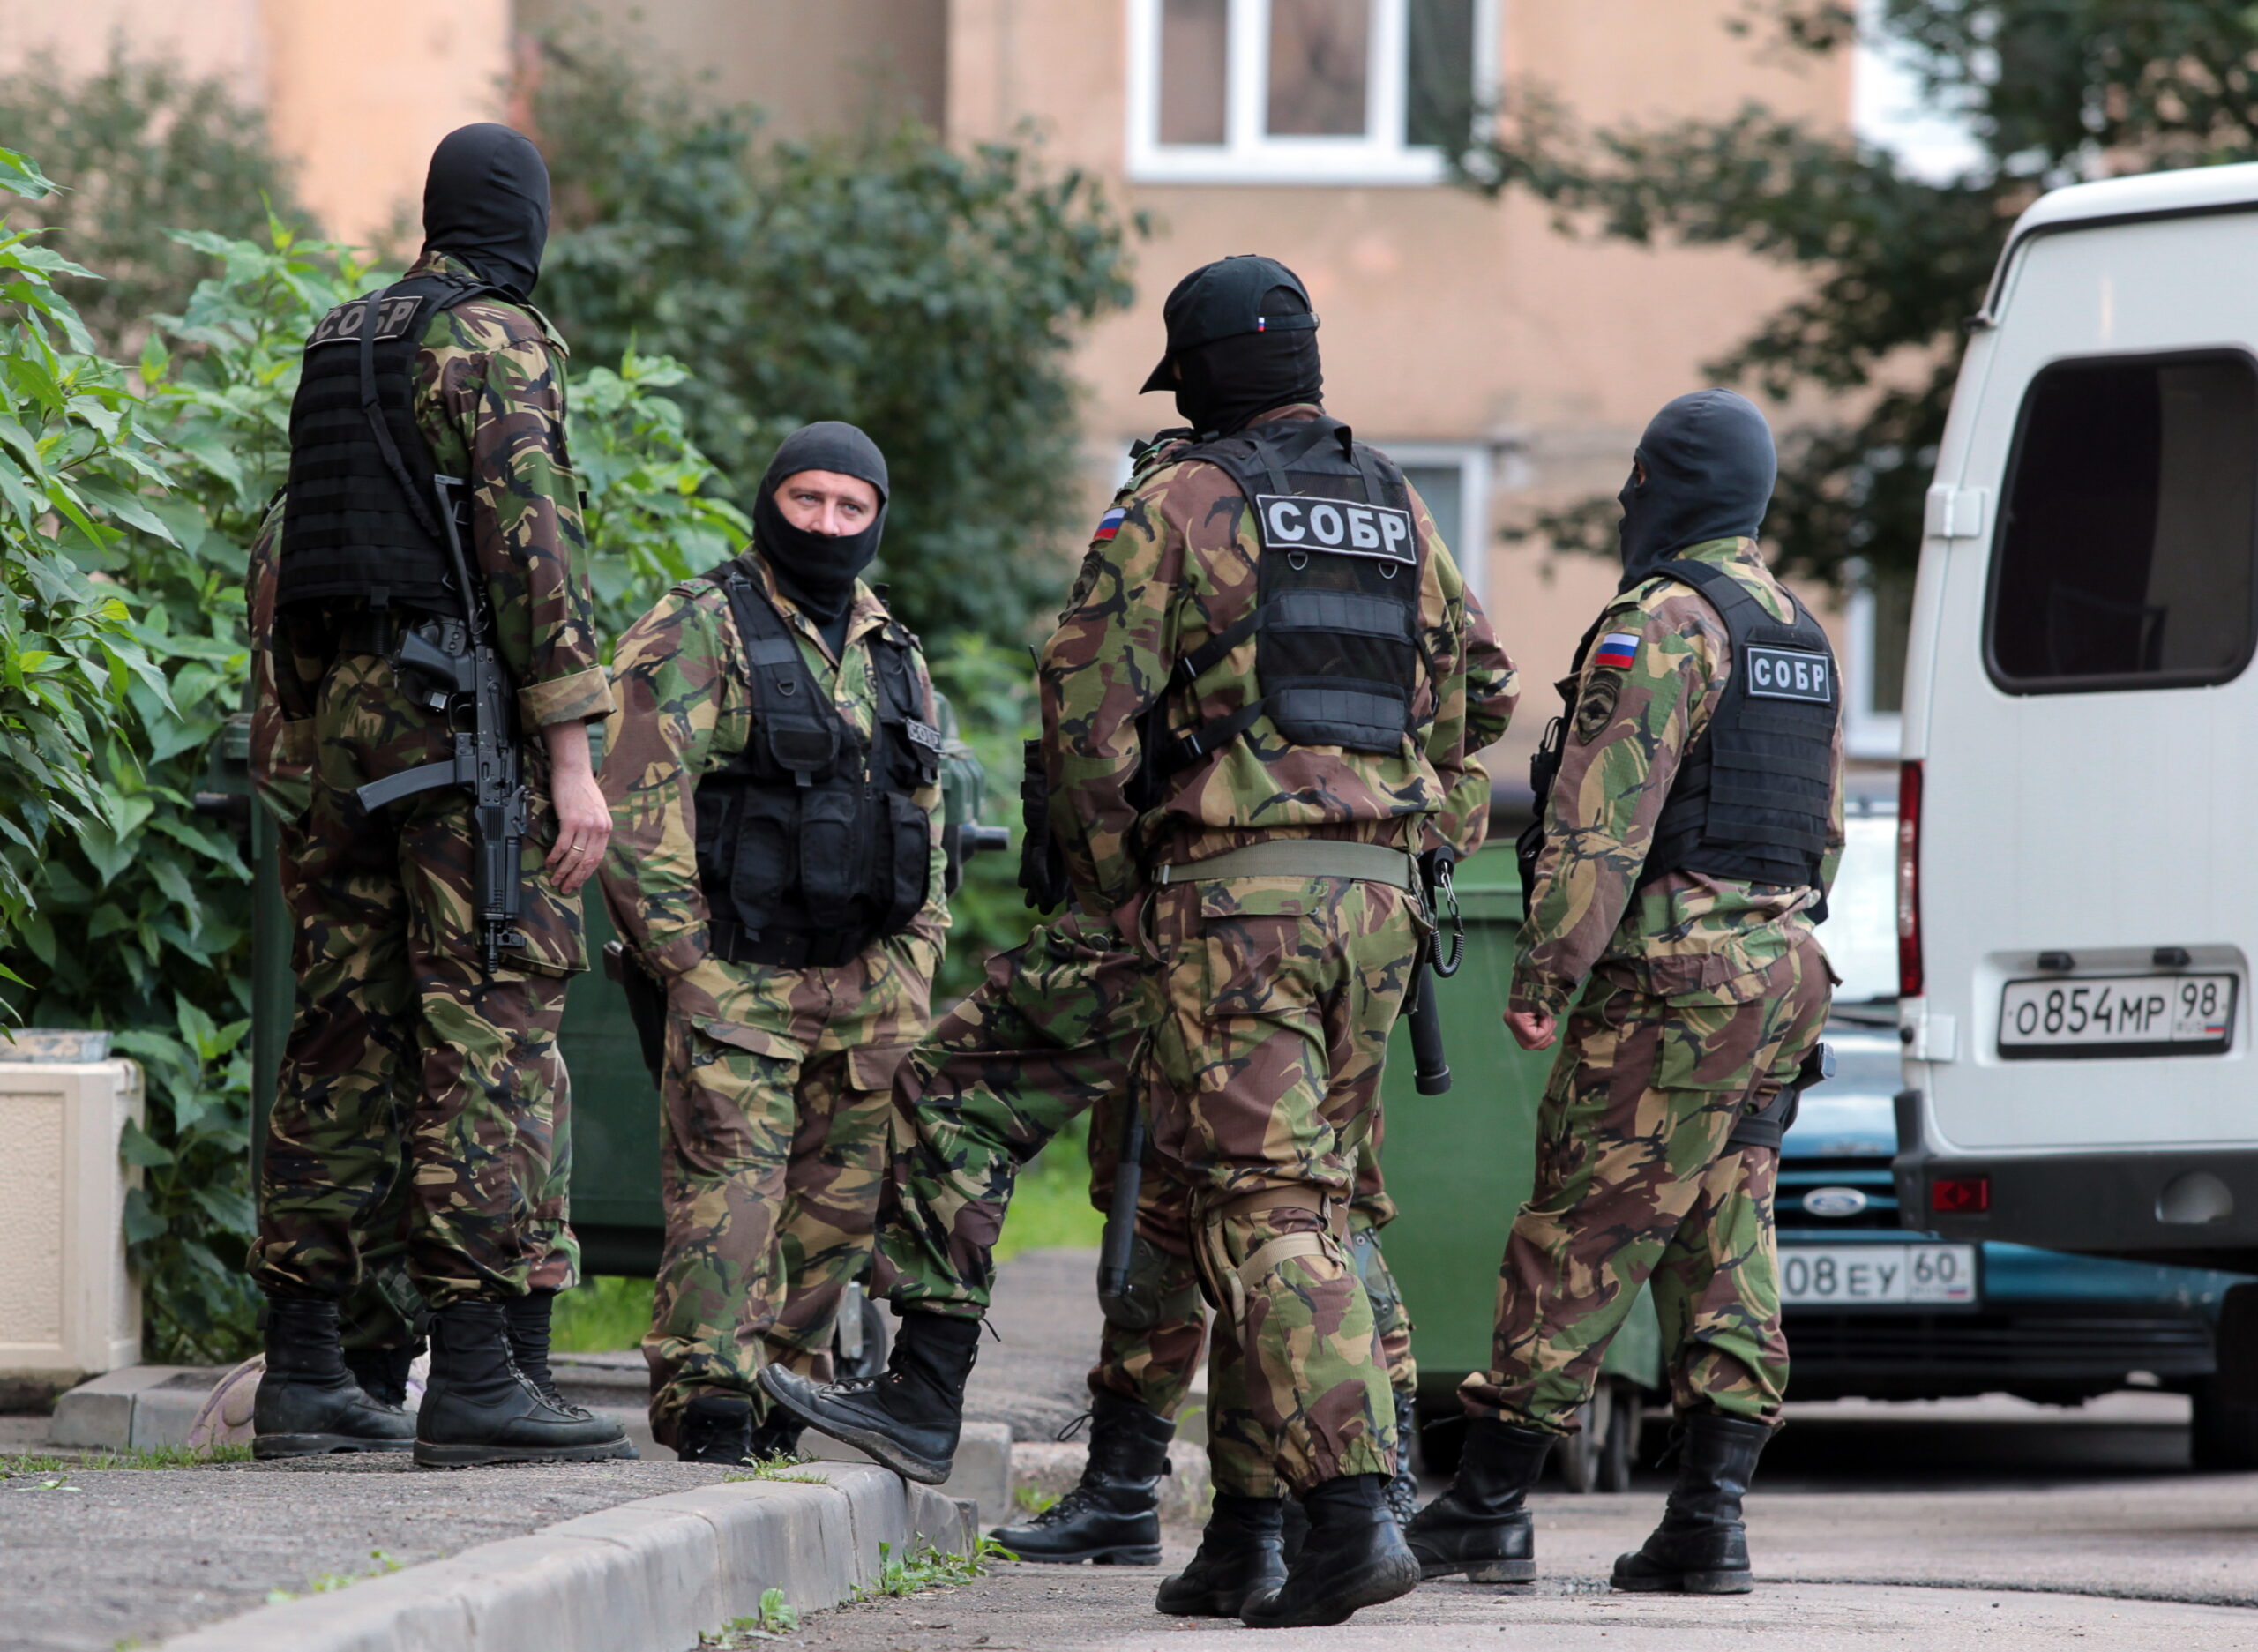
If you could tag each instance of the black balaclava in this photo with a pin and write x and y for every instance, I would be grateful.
(1709, 469)
(486, 201)
(1227, 383)
(816, 570)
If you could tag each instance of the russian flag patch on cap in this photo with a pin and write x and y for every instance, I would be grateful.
(1616, 650)
(1109, 524)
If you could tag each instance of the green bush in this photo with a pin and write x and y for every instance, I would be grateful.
(929, 296)
(74, 451)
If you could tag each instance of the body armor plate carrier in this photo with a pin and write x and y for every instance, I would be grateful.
(1337, 613)
(349, 529)
(1753, 799)
(810, 845)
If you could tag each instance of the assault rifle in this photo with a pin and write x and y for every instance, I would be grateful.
(459, 672)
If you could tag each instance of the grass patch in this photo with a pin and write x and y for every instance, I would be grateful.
(775, 1468)
(139, 1457)
(600, 1315)
(775, 1621)
(1032, 1500)
(330, 1582)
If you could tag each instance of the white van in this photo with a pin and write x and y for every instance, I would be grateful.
(2078, 901)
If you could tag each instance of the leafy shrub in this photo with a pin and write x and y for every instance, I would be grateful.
(73, 450)
(929, 296)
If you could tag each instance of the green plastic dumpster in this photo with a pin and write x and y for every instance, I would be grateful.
(1460, 1165)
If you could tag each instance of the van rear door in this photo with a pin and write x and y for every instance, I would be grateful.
(2083, 709)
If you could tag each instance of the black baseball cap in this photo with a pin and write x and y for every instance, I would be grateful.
(1224, 300)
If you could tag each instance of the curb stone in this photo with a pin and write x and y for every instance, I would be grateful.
(654, 1573)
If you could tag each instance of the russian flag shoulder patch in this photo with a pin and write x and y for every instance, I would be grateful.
(1616, 650)
(1109, 524)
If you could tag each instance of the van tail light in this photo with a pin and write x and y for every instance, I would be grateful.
(1960, 1195)
(1909, 881)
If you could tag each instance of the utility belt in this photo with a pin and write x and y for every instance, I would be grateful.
(1300, 857)
(368, 629)
(793, 949)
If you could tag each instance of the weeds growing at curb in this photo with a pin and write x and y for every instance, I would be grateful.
(776, 1468)
(931, 1568)
(37, 1463)
(1032, 1500)
(330, 1582)
(776, 1619)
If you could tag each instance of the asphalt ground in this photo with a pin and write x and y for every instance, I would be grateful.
(1989, 1523)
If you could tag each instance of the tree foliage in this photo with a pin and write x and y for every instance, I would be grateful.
(146, 149)
(73, 454)
(2053, 91)
(929, 296)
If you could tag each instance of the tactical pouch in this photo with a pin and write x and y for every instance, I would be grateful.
(1042, 868)
(1765, 1127)
(832, 855)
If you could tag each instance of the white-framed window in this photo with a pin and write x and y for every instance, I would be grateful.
(1338, 91)
(1878, 621)
(1454, 481)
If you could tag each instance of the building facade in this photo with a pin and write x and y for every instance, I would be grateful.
(1509, 366)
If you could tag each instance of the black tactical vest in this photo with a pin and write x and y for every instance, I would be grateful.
(1336, 614)
(810, 843)
(351, 526)
(1754, 798)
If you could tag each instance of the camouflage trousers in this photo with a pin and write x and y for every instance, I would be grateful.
(1150, 1353)
(1278, 995)
(1636, 1184)
(1051, 1032)
(421, 1105)
(772, 1151)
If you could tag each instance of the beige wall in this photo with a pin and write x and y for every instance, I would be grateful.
(1446, 318)
(811, 67)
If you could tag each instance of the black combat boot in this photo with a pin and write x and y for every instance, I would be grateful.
(382, 1371)
(1353, 1558)
(1701, 1548)
(1238, 1558)
(1403, 1489)
(1113, 1517)
(525, 1321)
(716, 1428)
(908, 1416)
(1481, 1525)
(308, 1402)
(479, 1407)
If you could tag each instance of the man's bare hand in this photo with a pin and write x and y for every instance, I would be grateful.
(1530, 1029)
(583, 817)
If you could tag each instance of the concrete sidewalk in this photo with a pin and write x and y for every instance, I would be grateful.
(599, 1557)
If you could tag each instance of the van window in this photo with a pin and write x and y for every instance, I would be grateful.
(2124, 552)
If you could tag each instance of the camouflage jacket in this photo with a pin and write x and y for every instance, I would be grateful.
(686, 709)
(1684, 931)
(1173, 564)
(489, 398)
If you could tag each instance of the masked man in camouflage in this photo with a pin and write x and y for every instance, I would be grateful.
(1687, 842)
(1269, 653)
(777, 865)
(420, 1075)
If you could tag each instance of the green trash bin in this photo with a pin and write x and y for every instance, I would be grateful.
(1460, 1165)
